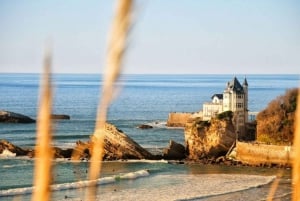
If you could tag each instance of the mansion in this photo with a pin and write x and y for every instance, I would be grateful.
(234, 98)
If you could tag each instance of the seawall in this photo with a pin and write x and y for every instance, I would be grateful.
(256, 154)
(179, 119)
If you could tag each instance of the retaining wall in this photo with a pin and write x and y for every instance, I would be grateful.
(178, 119)
(255, 154)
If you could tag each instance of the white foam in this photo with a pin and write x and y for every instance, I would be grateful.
(65, 145)
(7, 154)
(17, 165)
(139, 161)
(134, 175)
(157, 124)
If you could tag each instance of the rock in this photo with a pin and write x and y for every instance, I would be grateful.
(11, 117)
(209, 139)
(145, 126)
(175, 151)
(5, 145)
(117, 145)
(60, 116)
(62, 153)
(81, 151)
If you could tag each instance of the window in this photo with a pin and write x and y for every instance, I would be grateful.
(239, 105)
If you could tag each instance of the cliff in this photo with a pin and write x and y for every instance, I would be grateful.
(209, 139)
(275, 124)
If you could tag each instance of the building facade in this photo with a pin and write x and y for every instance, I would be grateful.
(235, 99)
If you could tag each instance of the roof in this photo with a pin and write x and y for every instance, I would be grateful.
(219, 96)
(245, 82)
(235, 85)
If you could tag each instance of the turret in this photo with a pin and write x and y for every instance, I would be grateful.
(245, 87)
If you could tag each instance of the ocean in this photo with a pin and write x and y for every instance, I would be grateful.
(139, 99)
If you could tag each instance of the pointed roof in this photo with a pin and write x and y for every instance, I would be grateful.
(245, 82)
(235, 85)
(219, 96)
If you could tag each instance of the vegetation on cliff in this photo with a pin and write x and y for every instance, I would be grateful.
(275, 124)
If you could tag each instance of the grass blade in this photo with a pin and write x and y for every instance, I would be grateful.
(43, 150)
(116, 49)
(296, 148)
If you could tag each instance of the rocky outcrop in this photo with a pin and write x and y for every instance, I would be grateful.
(11, 117)
(117, 145)
(175, 151)
(209, 139)
(60, 116)
(5, 145)
(145, 126)
(62, 153)
(81, 151)
(18, 151)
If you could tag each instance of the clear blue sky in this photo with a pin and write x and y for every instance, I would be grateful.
(190, 36)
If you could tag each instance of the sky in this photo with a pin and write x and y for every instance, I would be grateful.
(167, 37)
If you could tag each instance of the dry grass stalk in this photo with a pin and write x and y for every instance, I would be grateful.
(43, 149)
(274, 186)
(296, 149)
(116, 49)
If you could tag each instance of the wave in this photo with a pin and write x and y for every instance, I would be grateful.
(188, 187)
(157, 124)
(79, 184)
(15, 165)
(162, 124)
(65, 145)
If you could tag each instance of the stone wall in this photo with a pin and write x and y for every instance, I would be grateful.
(178, 119)
(256, 154)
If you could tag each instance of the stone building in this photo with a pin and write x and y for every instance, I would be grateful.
(235, 99)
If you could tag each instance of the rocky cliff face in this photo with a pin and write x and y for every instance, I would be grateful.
(208, 139)
(117, 145)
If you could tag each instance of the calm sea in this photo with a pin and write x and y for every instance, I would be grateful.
(139, 99)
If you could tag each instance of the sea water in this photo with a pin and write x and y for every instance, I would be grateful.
(139, 99)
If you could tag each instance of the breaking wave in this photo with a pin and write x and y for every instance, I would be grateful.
(79, 184)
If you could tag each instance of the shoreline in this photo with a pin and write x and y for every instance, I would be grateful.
(66, 155)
